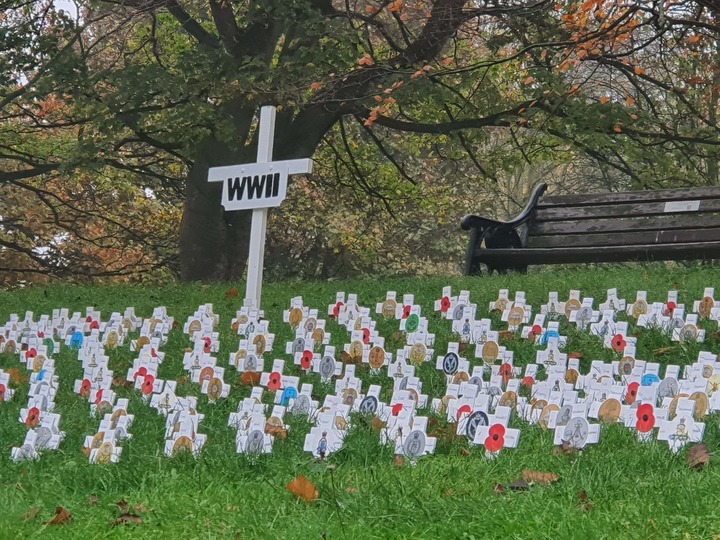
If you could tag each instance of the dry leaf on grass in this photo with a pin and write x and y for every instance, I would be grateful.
(519, 485)
(303, 488)
(538, 477)
(498, 488)
(563, 449)
(463, 347)
(127, 519)
(31, 514)
(279, 432)
(449, 492)
(61, 517)
(399, 461)
(345, 358)
(250, 378)
(465, 452)
(122, 505)
(507, 335)
(17, 376)
(399, 338)
(576, 355)
(378, 425)
(585, 503)
(231, 293)
(698, 456)
(121, 383)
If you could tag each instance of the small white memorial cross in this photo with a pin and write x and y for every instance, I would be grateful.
(258, 186)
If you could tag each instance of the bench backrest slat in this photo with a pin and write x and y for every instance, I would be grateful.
(626, 239)
(660, 195)
(625, 210)
(626, 224)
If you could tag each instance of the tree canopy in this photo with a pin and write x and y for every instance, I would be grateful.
(413, 111)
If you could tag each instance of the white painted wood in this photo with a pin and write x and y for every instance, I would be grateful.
(236, 195)
(256, 254)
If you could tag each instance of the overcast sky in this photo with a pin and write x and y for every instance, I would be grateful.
(67, 5)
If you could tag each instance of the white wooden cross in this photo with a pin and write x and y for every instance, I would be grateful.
(258, 186)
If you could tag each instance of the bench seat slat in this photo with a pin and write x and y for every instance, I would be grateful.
(675, 236)
(631, 196)
(642, 223)
(530, 256)
(619, 210)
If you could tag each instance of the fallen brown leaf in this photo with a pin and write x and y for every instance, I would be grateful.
(127, 519)
(507, 335)
(498, 488)
(465, 452)
(31, 514)
(449, 492)
(231, 293)
(538, 477)
(585, 503)
(17, 376)
(121, 383)
(698, 456)
(122, 505)
(92, 499)
(563, 449)
(176, 325)
(463, 347)
(399, 461)
(250, 378)
(576, 355)
(303, 488)
(345, 358)
(399, 338)
(377, 424)
(61, 517)
(140, 508)
(351, 490)
(519, 485)
(279, 432)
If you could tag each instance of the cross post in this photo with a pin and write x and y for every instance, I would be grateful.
(258, 186)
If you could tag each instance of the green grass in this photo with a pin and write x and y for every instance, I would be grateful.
(637, 490)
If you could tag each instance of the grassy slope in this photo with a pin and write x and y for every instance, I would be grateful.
(637, 490)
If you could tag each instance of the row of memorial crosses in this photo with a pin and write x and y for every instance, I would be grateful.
(479, 398)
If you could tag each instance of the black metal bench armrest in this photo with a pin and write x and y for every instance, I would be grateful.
(483, 224)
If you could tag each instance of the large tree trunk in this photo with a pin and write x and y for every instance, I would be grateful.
(213, 243)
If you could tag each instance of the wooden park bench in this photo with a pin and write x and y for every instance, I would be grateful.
(669, 224)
